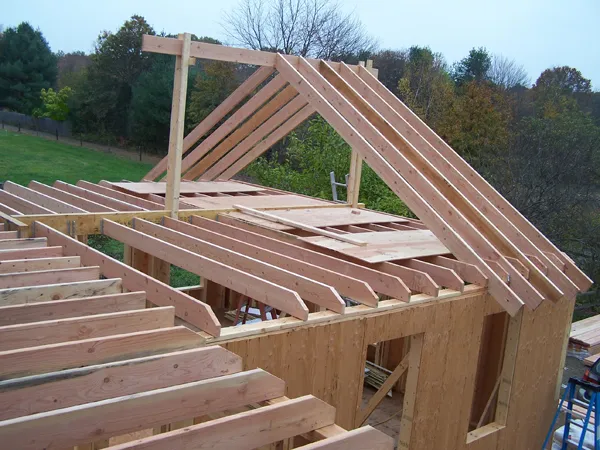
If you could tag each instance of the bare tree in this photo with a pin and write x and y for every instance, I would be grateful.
(313, 28)
(507, 73)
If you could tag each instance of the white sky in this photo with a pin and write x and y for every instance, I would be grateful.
(536, 33)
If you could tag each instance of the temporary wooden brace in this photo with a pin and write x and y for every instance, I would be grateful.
(177, 125)
(188, 308)
(301, 226)
(502, 293)
(245, 89)
(345, 285)
(380, 282)
(242, 282)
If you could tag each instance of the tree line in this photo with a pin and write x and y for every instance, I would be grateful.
(537, 141)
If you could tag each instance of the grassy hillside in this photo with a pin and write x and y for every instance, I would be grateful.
(24, 158)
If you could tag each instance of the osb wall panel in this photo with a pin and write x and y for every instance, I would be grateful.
(327, 360)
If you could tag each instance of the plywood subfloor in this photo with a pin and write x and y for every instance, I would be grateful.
(188, 187)
(258, 201)
(385, 245)
(321, 217)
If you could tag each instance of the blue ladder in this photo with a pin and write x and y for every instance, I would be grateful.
(594, 405)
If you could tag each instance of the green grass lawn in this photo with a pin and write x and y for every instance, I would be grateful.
(24, 158)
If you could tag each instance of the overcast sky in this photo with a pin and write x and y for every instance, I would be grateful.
(536, 33)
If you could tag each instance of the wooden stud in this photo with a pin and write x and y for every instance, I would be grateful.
(177, 125)
(410, 394)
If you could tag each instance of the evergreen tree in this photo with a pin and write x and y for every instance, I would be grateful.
(26, 67)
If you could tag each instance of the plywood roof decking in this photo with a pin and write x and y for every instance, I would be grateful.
(188, 187)
(105, 370)
(262, 201)
(332, 217)
(385, 245)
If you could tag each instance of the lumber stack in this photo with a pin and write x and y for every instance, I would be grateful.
(585, 335)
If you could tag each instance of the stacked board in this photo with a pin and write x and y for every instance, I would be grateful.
(585, 334)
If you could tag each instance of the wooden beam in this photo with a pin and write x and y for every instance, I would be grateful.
(30, 253)
(345, 285)
(21, 244)
(112, 203)
(22, 205)
(8, 211)
(240, 281)
(301, 226)
(416, 280)
(243, 131)
(281, 132)
(101, 188)
(501, 292)
(245, 89)
(177, 125)
(380, 282)
(99, 350)
(19, 296)
(509, 218)
(365, 437)
(9, 234)
(249, 429)
(72, 387)
(481, 235)
(243, 113)
(468, 272)
(441, 275)
(72, 426)
(255, 137)
(30, 265)
(376, 399)
(78, 307)
(52, 276)
(79, 202)
(188, 308)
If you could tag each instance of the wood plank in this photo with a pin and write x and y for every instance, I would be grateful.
(245, 430)
(224, 108)
(387, 385)
(29, 265)
(31, 253)
(76, 328)
(510, 212)
(45, 277)
(19, 244)
(64, 389)
(301, 226)
(177, 125)
(313, 291)
(468, 272)
(51, 203)
(78, 307)
(75, 200)
(243, 132)
(379, 282)
(347, 286)
(113, 203)
(361, 438)
(8, 210)
(79, 425)
(281, 132)
(240, 281)
(385, 245)
(19, 296)
(500, 291)
(188, 308)
(188, 187)
(109, 192)
(22, 205)
(254, 201)
(85, 352)
(9, 234)
(443, 276)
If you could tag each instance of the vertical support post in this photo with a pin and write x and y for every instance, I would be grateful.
(410, 395)
(177, 123)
